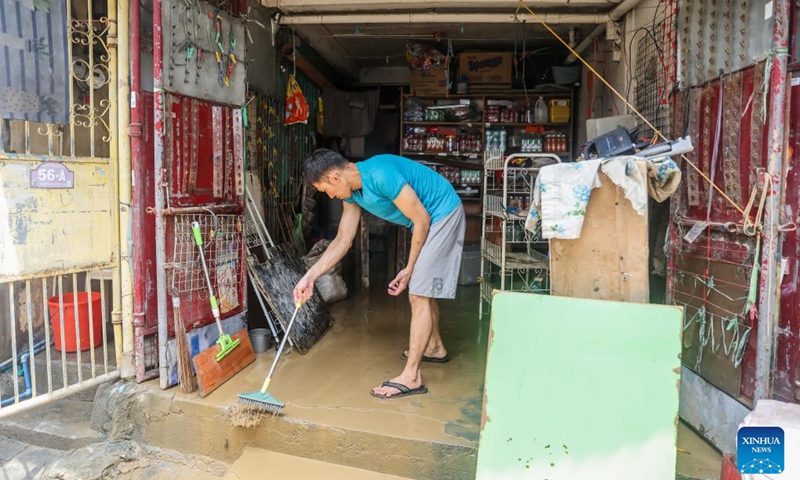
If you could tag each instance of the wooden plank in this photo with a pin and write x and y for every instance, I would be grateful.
(211, 373)
(276, 280)
(583, 389)
(610, 259)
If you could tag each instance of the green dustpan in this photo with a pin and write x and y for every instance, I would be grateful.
(225, 342)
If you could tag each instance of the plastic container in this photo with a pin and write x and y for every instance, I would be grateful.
(70, 337)
(470, 265)
(559, 111)
(540, 113)
(566, 75)
(259, 338)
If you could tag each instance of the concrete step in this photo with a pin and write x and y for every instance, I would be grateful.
(257, 464)
(19, 460)
(192, 426)
(697, 459)
(62, 425)
(128, 460)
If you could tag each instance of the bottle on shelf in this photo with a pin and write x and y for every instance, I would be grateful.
(540, 112)
(452, 145)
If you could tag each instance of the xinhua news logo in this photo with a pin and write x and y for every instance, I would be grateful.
(760, 450)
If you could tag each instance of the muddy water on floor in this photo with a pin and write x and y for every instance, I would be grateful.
(331, 383)
(254, 462)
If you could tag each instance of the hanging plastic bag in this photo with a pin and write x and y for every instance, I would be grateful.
(296, 105)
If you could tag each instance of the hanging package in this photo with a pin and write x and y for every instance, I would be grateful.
(296, 105)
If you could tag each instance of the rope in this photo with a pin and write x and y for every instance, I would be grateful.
(711, 286)
(714, 346)
(657, 132)
(703, 342)
(701, 312)
(751, 228)
(733, 324)
(740, 349)
(750, 306)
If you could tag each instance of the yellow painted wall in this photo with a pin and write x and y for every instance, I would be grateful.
(43, 230)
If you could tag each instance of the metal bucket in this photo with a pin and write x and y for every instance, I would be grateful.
(259, 337)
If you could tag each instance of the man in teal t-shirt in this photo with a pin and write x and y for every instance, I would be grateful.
(407, 193)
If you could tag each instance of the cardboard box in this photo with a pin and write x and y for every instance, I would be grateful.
(483, 68)
(428, 82)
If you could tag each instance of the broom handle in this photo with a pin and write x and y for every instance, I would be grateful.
(280, 349)
(260, 221)
(198, 239)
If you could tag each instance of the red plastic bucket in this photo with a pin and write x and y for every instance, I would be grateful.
(70, 338)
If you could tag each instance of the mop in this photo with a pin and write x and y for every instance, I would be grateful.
(226, 344)
(261, 399)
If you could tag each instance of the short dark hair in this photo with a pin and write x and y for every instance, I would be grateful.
(320, 163)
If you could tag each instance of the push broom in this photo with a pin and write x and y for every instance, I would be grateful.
(226, 344)
(261, 399)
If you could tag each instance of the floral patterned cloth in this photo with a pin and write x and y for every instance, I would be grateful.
(561, 192)
(560, 196)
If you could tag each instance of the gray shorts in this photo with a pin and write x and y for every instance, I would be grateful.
(436, 271)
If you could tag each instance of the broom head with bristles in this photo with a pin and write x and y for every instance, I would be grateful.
(185, 371)
(261, 401)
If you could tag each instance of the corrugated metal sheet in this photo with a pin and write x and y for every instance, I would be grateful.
(722, 36)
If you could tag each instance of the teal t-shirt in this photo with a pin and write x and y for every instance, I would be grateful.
(384, 176)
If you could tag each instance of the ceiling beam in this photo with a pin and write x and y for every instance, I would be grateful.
(299, 6)
(434, 18)
(320, 39)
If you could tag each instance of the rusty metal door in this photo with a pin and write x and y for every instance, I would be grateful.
(59, 247)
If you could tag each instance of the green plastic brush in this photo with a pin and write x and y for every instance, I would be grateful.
(261, 399)
(225, 342)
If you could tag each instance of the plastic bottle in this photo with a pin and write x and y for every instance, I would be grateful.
(540, 112)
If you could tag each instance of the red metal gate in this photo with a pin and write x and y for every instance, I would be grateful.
(786, 380)
(710, 274)
(203, 150)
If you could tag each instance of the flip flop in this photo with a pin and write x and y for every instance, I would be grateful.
(404, 390)
(444, 359)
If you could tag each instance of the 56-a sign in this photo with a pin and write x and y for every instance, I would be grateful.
(52, 175)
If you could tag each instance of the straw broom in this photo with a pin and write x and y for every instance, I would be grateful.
(185, 372)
